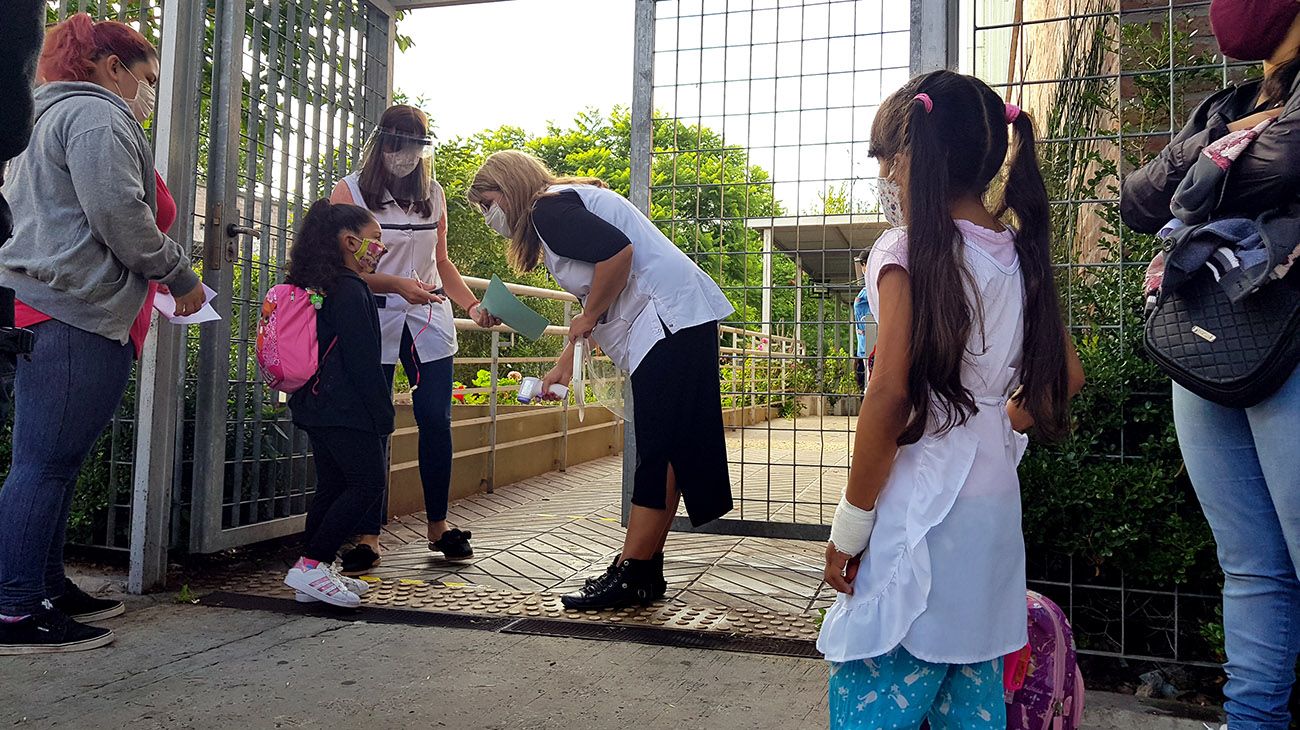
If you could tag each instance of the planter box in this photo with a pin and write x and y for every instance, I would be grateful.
(530, 441)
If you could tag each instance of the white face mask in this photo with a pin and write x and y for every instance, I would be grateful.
(403, 163)
(890, 196)
(496, 220)
(142, 104)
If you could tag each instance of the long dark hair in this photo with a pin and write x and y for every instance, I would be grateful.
(1276, 88)
(315, 261)
(415, 189)
(956, 149)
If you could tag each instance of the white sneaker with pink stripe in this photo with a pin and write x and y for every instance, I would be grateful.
(321, 584)
(356, 585)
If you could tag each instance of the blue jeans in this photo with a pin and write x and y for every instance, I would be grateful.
(1245, 466)
(897, 691)
(432, 403)
(63, 398)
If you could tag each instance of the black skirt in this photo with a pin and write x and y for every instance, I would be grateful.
(677, 418)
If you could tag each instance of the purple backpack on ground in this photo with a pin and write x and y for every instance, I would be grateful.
(1044, 688)
(1043, 682)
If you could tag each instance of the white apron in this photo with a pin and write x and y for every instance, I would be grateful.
(664, 287)
(944, 572)
(412, 247)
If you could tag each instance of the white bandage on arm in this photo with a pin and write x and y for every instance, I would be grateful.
(851, 528)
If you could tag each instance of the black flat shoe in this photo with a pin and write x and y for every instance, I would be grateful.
(50, 631)
(629, 583)
(454, 545)
(359, 560)
(80, 606)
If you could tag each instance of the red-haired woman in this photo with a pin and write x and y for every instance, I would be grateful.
(86, 245)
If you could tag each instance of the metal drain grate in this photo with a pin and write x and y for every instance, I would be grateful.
(400, 616)
(586, 628)
(684, 638)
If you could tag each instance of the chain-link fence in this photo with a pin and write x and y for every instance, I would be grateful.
(762, 114)
(1115, 531)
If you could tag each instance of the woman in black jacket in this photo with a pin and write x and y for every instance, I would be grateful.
(1244, 462)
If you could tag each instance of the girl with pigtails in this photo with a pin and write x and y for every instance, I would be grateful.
(926, 550)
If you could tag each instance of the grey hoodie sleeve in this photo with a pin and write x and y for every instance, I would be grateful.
(106, 174)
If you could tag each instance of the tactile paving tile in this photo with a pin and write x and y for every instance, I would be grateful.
(484, 601)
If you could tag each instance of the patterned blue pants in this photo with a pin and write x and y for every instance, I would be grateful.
(897, 691)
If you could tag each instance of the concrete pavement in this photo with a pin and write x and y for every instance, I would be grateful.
(185, 666)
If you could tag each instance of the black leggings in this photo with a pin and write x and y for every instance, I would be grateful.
(350, 476)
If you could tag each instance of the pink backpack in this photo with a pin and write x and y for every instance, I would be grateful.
(1043, 683)
(287, 348)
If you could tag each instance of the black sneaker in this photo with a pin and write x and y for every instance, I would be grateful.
(628, 584)
(454, 545)
(49, 631)
(359, 560)
(78, 605)
(659, 586)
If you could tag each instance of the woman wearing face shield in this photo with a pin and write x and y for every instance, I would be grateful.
(87, 245)
(655, 314)
(415, 285)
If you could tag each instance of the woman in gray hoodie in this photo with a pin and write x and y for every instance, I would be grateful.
(85, 247)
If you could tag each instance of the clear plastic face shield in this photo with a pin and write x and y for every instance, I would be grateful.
(400, 153)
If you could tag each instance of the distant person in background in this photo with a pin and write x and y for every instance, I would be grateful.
(861, 320)
(1243, 462)
(20, 44)
(415, 285)
(86, 245)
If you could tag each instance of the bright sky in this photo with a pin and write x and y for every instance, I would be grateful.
(481, 66)
(795, 84)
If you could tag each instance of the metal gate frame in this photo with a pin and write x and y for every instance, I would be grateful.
(229, 233)
(157, 501)
(934, 44)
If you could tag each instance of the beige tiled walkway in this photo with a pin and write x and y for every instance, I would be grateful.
(547, 534)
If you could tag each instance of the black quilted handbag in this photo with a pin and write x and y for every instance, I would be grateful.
(1235, 355)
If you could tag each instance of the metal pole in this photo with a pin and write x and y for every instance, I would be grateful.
(492, 415)
(934, 36)
(162, 364)
(642, 104)
(391, 55)
(798, 298)
(214, 337)
(821, 343)
(642, 145)
(564, 407)
(767, 281)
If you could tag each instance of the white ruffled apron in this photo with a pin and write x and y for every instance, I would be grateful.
(948, 516)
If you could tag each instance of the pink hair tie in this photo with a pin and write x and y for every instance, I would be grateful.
(926, 102)
(1013, 113)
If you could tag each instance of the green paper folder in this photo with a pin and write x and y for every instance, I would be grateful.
(502, 304)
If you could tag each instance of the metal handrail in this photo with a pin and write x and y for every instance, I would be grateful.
(744, 343)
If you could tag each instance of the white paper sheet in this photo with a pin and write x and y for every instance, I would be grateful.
(166, 306)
